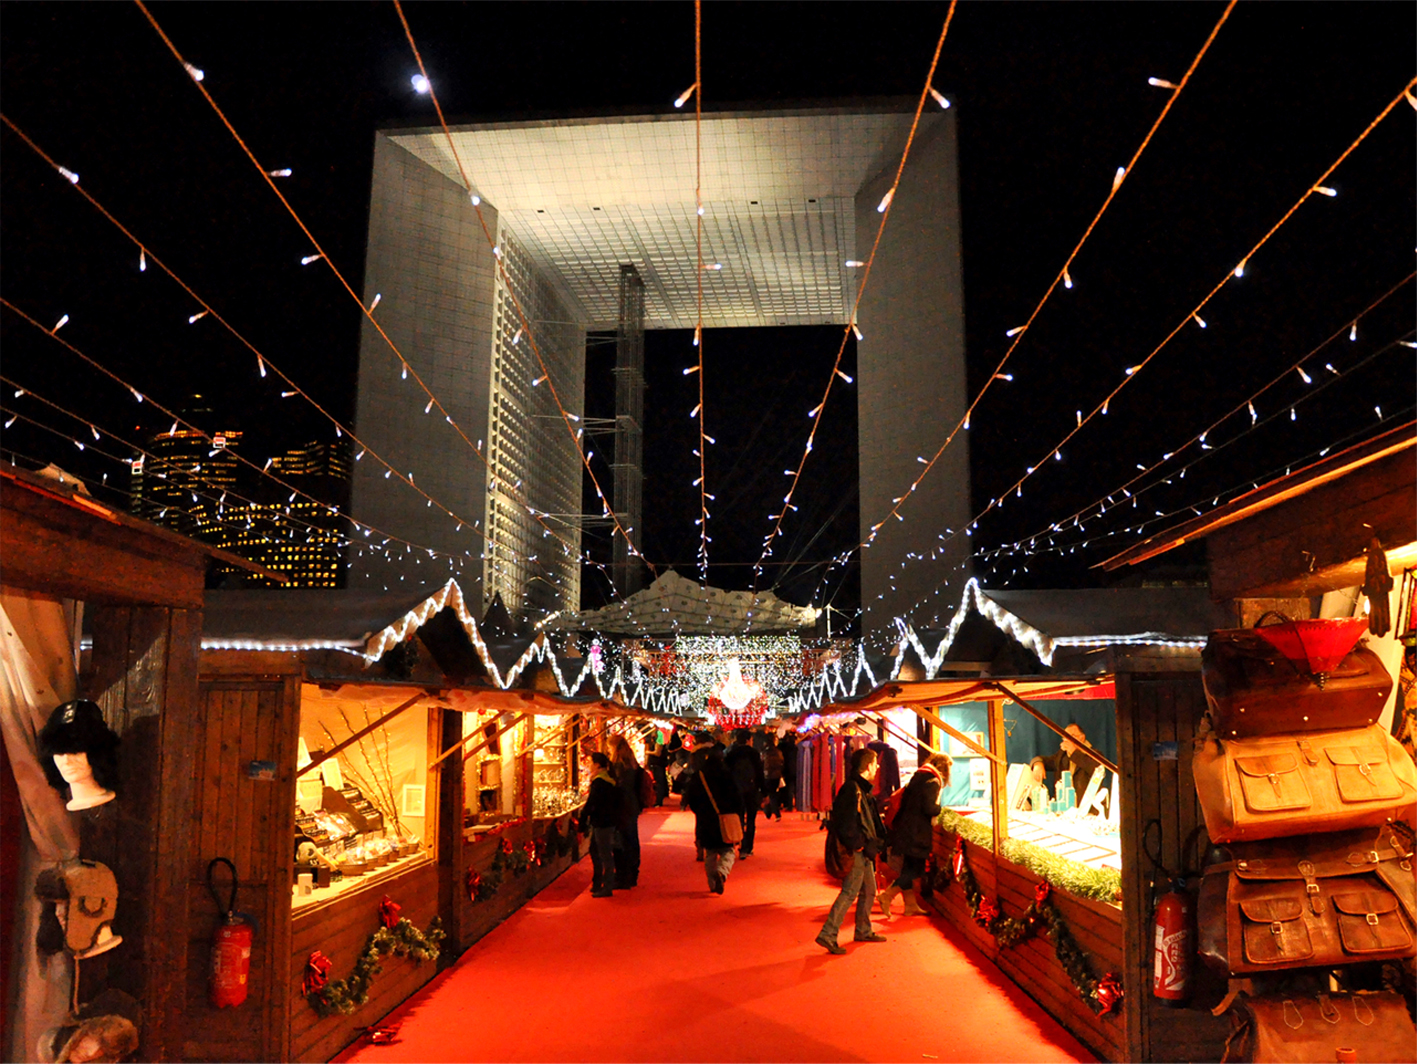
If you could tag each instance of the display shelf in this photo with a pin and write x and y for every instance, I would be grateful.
(1076, 839)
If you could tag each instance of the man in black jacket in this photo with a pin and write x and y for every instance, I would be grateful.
(858, 827)
(601, 813)
(745, 765)
(710, 794)
(1069, 758)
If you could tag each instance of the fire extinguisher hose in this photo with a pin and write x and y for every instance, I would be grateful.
(228, 910)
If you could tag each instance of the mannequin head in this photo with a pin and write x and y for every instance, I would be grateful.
(79, 752)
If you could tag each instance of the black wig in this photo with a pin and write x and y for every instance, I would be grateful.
(78, 727)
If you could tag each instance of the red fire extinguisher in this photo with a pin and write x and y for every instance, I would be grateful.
(1173, 929)
(1171, 953)
(231, 945)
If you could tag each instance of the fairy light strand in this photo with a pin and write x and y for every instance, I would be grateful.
(406, 365)
(851, 326)
(476, 201)
(1019, 333)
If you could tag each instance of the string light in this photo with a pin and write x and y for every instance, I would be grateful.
(196, 73)
(420, 84)
(1117, 178)
(142, 261)
(279, 173)
(683, 97)
(68, 175)
(377, 296)
(885, 201)
(1161, 83)
(60, 324)
(193, 319)
(940, 98)
(1324, 190)
(1199, 320)
(307, 259)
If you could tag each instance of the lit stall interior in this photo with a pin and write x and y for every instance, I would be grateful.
(365, 812)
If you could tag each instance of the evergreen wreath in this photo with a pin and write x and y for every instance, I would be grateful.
(1102, 995)
(402, 940)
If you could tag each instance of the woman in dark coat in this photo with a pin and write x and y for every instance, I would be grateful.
(911, 832)
(711, 772)
(599, 816)
(626, 771)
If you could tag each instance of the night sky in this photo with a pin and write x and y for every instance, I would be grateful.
(1051, 99)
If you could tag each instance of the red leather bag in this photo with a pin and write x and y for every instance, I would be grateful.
(1253, 689)
(1310, 901)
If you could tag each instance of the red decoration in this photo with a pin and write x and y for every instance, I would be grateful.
(389, 912)
(529, 848)
(988, 912)
(507, 847)
(1320, 644)
(1109, 992)
(958, 863)
(317, 973)
(1041, 891)
(474, 880)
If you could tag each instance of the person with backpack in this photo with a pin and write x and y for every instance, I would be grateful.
(859, 830)
(912, 830)
(599, 815)
(745, 765)
(712, 794)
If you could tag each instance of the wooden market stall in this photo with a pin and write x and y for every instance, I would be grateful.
(1304, 545)
(1014, 661)
(140, 588)
(408, 754)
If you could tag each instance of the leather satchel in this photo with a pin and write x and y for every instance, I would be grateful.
(1253, 689)
(730, 825)
(1321, 1027)
(1264, 788)
(1312, 901)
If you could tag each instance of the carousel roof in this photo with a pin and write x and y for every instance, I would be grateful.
(674, 605)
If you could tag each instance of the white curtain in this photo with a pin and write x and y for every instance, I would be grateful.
(38, 642)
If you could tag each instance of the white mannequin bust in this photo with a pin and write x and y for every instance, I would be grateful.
(78, 774)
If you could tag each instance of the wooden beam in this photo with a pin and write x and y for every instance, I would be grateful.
(954, 732)
(890, 727)
(1043, 718)
(361, 733)
(480, 746)
(998, 773)
(536, 743)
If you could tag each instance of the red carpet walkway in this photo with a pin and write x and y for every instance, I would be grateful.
(670, 972)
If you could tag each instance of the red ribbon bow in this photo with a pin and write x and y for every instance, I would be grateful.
(389, 912)
(317, 973)
(474, 881)
(1109, 992)
(1041, 891)
(529, 848)
(507, 846)
(988, 910)
(958, 862)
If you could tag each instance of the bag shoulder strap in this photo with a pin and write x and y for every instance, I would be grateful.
(709, 791)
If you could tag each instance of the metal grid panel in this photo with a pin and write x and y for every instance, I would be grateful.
(585, 196)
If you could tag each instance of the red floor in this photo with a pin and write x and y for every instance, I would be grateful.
(670, 972)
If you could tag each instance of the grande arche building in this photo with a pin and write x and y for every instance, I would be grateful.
(790, 197)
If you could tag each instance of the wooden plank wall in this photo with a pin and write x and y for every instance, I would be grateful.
(1161, 700)
(143, 672)
(246, 821)
(1032, 964)
(339, 929)
(476, 918)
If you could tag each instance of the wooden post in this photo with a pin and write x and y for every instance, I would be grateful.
(998, 773)
(452, 859)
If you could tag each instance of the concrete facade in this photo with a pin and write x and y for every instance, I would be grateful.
(911, 386)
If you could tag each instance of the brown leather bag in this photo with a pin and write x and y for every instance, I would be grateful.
(1276, 785)
(1321, 1027)
(1253, 689)
(1310, 901)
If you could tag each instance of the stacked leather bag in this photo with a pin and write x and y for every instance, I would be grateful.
(1308, 804)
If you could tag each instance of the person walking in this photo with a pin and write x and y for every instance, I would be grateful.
(599, 815)
(772, 776)
(710, 794)
(745, 765)
(787, 743)
(858, 827)
(626, 771)
(911, 832)
(658, 764)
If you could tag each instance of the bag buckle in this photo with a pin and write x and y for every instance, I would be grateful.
(1373, 856)
(1312, 888)
(1298, 1016)
(1276, 929)
(1372, 919)
(1365, 771)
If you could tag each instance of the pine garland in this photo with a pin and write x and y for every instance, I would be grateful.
(402, 940)
(1074, 877)
(1100, 995)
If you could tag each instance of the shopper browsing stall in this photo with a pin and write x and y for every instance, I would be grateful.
(1069, 758)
